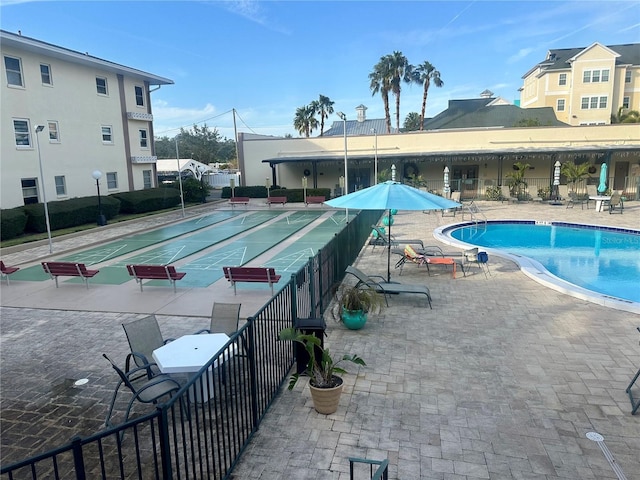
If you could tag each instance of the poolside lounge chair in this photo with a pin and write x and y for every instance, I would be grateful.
(616, 202)
(434, 257)
(382, 239)
(575, 199)
(387, 288)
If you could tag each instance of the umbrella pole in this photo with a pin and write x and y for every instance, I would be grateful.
(389, 250)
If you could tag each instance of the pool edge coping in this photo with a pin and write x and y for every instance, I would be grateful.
(536, 271)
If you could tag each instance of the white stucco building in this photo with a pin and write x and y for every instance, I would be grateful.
(94, 114)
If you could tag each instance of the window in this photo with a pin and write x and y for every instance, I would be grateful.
(595, 76)
(562, 80)
(146, 179)
(560, 105)
(29, 190)
(587, 103)
(101, 86)
(61, 186)
(627, 76)
(107, 136)
(625, 102)
(143, 138)
(22, 133)
(54, 135)
(112, 180)
(45, 74)
(13, 68)
(139, 96)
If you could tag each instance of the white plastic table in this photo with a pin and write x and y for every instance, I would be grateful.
(190, 353)
(599, 199)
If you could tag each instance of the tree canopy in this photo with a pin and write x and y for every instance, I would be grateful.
(200, 143)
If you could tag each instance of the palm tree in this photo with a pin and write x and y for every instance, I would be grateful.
(380, 81)
(401, 72)
(412, 122)
(575, 172)
(425, 73)
(628, 116)
(323, 107)
(305, 121)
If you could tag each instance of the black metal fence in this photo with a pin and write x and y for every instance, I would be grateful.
(202, 431)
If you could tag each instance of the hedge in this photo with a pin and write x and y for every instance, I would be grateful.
(12, 222)
(69, 213)
(147, 200)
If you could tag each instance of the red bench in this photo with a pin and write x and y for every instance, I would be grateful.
(281, 200)
(315, 200)
(68, 269)
(155, 272)
(233, 201)
(6, 271)
(251, 274)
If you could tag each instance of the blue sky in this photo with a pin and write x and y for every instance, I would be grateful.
(266, 58)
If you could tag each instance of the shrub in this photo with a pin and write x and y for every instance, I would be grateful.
(12, 222)
(69, 213)
(147, 200)
(494, 193)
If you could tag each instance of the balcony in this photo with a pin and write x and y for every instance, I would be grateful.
(146, 117)
(144, 159)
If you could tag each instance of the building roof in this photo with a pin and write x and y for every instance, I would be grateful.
(356, 127)
(21, 42)
(560, 58)
(478, 113)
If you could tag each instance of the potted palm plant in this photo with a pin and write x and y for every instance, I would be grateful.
(353, 303)
(324, 383)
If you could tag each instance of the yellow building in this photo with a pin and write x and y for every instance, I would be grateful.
(585, 86)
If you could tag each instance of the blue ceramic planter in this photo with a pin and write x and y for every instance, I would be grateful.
(353, 319)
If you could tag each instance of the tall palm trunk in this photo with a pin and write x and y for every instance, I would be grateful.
(387, 113)
(424, 102)
(398, 111)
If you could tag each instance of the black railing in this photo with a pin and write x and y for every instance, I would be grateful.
(202, 431)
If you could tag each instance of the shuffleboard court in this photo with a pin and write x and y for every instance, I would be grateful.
(207, 269)
(182, 247)
(129, 244)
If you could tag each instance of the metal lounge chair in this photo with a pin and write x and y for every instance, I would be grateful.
(383, 239)
(144, 337)
(149, 391)
(385, 287)
(575, 199)
(616, 202)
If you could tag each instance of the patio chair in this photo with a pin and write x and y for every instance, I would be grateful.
(385, 287)
(149, 391)
(5, 271)
(144, 337)
(575, 199)
(481, 259)
(225, 318)
(616, 202)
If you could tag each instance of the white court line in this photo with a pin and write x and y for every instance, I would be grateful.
(303, 255)
(109, 254)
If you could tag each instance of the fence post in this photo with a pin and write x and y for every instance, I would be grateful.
(78, 459)
(165, 447)
(253, 380)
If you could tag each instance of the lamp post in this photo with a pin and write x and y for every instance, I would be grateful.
(38, 129)
(201, 171)
(97, 175)
(346, 172)
(267, 183)
(304, 188)
(375, 157)
(179, 176)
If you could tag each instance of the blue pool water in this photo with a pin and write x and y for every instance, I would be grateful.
(602, 260)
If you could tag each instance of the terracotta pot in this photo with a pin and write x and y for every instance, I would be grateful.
(326, 400)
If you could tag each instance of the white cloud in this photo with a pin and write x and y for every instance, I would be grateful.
(520, 55)
(168, 119)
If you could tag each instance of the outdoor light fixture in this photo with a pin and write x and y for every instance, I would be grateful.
(304, 188)
(38, 129)
(97, 175)
(346, 172)
(179, 176)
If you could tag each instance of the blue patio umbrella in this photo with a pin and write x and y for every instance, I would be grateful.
(603, 179)
(392, 195)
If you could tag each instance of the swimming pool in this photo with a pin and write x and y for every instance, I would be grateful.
(604, 261)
